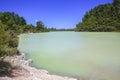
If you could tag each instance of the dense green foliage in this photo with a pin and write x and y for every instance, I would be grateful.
(8, 41)
(40, 27)
(11, 25)
(102, 18)
(54, 29)
(64, 29)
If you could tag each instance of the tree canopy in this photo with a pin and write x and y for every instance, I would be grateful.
(11, 25)
(101, 18)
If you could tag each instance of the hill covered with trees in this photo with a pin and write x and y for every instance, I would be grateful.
(11, 25)
(103, 18)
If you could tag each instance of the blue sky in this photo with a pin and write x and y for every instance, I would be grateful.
(53, 13)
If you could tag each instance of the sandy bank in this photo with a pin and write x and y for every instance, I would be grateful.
(25, 72)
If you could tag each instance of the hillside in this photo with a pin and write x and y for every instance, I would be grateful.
(102, 18)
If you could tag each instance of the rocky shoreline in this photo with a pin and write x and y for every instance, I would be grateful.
(23, 71)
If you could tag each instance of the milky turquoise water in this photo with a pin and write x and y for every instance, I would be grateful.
(91, 54)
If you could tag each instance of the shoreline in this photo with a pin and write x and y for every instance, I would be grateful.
(23, 70)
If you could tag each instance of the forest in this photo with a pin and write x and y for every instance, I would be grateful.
(11, 25)
(102, 18)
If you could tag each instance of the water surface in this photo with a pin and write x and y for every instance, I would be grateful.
(83, 54)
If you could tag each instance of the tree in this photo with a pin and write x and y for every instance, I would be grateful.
(17, 19)
(116, 3)
(11, 25)
(8, 42)
(103, 15)
(40, 26)
(22, 21)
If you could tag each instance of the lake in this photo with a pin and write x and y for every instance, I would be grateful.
(79, 54)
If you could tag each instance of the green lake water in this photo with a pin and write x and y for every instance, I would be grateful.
(81, 54)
